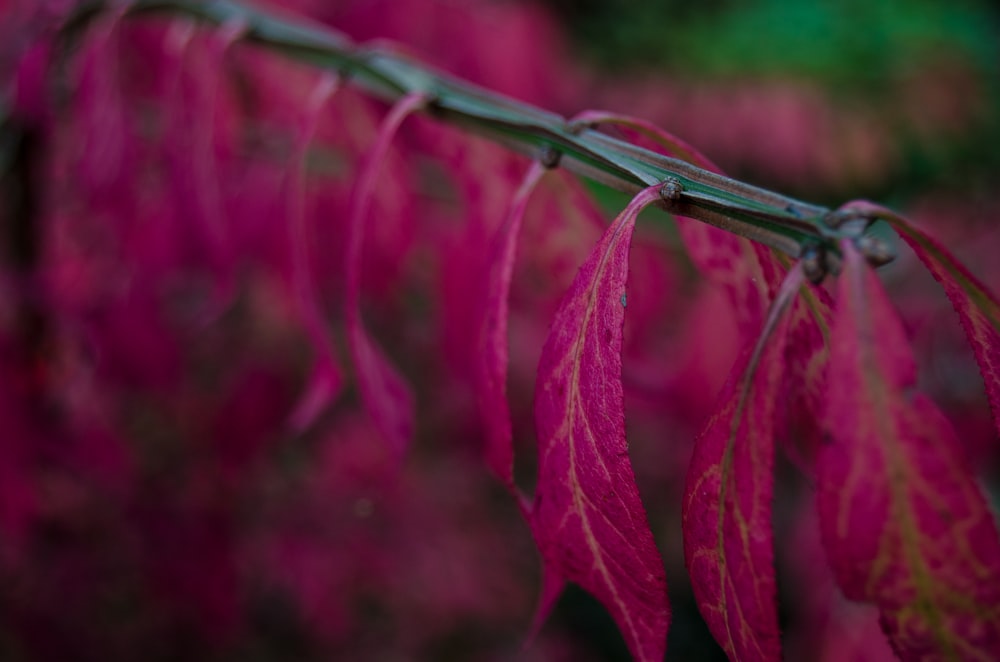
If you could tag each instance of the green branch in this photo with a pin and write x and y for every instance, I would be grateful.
(788, 225)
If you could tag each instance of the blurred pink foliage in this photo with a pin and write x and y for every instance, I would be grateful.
(161, 488)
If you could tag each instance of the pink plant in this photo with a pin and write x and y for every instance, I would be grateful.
(263, 340)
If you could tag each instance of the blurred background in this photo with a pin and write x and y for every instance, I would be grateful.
(884, 98)
(164, 496)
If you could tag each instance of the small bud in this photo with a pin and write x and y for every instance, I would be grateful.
(837, 217)
(876, 251)
(671, 189)
(550, 157)
(814, 264)
(850, 222)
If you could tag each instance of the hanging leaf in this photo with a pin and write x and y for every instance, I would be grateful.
(749, 274)
(491, 376)
(736, 264)
(904, 523)
(587, 518)
(802, 393)
(830, 627)
(977, 307)
(726, 514)
(326, 380)
(386, 396)
(192, 152)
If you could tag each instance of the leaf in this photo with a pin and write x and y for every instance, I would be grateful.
(977, 307)
(803, 384)
(828, 626)
(904, 523)
(491, 375)
(587, 518)
(196, 167)
(728, 260)
(326, 380)
(385, 395)
(726, 513)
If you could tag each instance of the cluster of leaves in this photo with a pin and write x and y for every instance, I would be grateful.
(238, 290)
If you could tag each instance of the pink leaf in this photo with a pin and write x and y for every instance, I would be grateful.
(977, 307)
(803, 383)
(587, 518)
(826, 626)
(196, 168)
(384, 393)
(325, 382)
(728, 536)
(728, 260)
(903, 521)
(491, 376)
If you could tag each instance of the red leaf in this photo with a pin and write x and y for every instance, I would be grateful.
(977, 307)
(728, 536)
(491, 376)
(728, 260)
(587, 519)
(196, 168)
(903, 521)
(803, 389)
(826, 626)
(326, 380)
(747, 273)
(384, 393)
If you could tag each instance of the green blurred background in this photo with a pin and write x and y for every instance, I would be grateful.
(924, 73)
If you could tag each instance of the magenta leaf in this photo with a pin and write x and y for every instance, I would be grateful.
(191, 147)
(326, 380)
(587, 518)
(726, 513)
(803, 384)
(385, 395)
(977, 307)
(833, 627)
(730, 261)
(903, 520)
(491, 374)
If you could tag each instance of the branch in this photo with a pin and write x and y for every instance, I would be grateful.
(788, 225)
